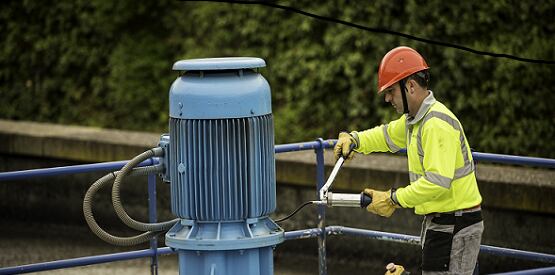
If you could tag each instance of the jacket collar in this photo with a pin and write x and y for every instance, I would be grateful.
(426, 105)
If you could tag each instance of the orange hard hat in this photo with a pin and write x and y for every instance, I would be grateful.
(398, 64)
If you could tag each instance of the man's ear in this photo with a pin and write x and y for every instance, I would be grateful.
(410, 85)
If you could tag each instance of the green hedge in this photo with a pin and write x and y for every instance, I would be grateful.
(108, 63)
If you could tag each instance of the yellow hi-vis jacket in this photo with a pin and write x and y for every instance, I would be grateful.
(441, 169)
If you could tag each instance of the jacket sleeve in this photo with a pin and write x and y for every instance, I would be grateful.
(440, 143)
(389, 137)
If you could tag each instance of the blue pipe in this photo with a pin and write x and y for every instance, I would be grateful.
(85, 261)
(508, 159)
(280, 148)
(302, 234)
(73, 169)
(489, 157)
(320, 174)
(537, 271)
(415, 240)
(519, 254)
(498, 251)
(311, 145)
(378, 235)
(152, 219)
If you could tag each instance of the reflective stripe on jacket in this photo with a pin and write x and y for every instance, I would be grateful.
(441, 169)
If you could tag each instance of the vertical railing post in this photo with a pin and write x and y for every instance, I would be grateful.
(322, 267)
(152, 218)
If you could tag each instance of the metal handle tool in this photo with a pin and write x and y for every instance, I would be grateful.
(340, 199)
(331, 178)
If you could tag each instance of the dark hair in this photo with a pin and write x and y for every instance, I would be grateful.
(422, 78)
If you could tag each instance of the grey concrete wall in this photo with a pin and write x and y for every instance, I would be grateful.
(519, 208)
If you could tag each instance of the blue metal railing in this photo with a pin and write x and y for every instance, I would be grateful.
(320, 181)
(73, 169)
(335, 230)
(320, 232)
(152, 218)
(89, 260)
(537, 271)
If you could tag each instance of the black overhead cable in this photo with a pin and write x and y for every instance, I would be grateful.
(382, 30)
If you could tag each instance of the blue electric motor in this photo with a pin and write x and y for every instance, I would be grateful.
(221, 166)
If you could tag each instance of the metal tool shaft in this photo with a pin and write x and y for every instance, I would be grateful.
(344, 200)
(331, 178)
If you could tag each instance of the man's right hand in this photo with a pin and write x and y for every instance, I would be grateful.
(345, 145)
(382, 203)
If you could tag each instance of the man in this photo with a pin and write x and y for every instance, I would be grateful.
(443, 184)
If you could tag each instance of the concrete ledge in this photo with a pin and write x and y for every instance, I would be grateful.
(507, 187)
(76, 143)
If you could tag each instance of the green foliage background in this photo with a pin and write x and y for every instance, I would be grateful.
(108, 63)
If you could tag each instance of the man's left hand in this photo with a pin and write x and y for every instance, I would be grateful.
(393, 269)
(382, 204)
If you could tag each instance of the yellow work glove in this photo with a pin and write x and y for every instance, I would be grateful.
(393, 269)
(382, 204)
(343, 146)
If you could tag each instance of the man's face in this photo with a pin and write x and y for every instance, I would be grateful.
(393, 95)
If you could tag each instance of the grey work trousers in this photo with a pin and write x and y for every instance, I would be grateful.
(464, 246)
